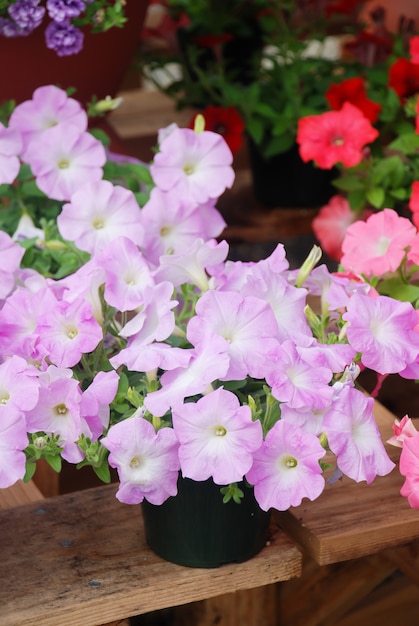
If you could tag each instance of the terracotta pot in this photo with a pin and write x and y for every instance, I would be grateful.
(97, 70)
(196, 529)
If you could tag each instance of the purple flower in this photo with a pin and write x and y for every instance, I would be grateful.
(382, 329)
(10, 146)
(354, 438)
(286, 468)
(217, 437)
(64, 38)
(62, 158)
(26, 14)
(147, 462)
(61, 10)
(98, 213)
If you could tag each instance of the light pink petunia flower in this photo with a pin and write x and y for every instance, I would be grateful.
(246, 324)
(377, 245)
(286, 468)
(62, 159)
(217, 437)
(10, 148)
(402, 430)
(172, 225)
(354, 437)
(98, 213)
(67, 331)
(147, 462)
(11, 255)
(197, 166)
(48, 107)
(382, 329)
(127, 274)
(13, 440)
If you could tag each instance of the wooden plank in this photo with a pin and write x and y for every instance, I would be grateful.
(81, 559)
(351, 520)
(143, 112)
(19, 493)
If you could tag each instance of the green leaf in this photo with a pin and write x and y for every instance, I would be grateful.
(400, 291)
(30, 471)
(350, 182)
(407, 143)
(54, 462)
(376, 196)
(357, 200)
(103, 473)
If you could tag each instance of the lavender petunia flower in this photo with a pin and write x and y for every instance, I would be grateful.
(61, 10)
(27, 15)
(64, 38)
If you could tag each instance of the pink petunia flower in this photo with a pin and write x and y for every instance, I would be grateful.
(13, 440)
(11, 255)
(172, 225)
(98, 213)
(297, 382)
(48, 107)
(331, 224)
(10, 147)
(127, 274)
(62, 159)
(354, 437)
(286, 468)
(409, 467)
(194, 165)
(402, 430)
(217, 437)
(67, 331)
(246, 324)
(147, 461)
(382, 329)
(377, 245)
(335, 137)
(95, 401)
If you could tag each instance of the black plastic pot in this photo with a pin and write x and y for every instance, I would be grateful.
(284, 180)
(196, 529)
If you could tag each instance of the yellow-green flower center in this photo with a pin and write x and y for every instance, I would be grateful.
(61, 409)
(220, 431)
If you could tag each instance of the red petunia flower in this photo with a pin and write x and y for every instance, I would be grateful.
(353, 90)
(335, 137)
(227, 122)
(404, 78)
(414, 49)
(344, 7)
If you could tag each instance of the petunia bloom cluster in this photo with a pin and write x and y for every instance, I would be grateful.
(63, 33)
(140, 345)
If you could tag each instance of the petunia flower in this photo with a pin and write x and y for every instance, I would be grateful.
(245, 323)
(10, 148)
(377, 245)
(48, 107)
(409, 467)
(382, 329)
(404, 78)
(99, 212)
(147, 461)
(354, 437)
(331, 223)
(286, 468)
(217, 437)
(226, 121)
(402, 430)
(335, 137)
(353, 90)
(62, 158)
(195, 165)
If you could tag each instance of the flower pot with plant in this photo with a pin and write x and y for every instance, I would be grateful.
(130, 341)
(86, 45)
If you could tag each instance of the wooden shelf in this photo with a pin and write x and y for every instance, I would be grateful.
(81, 559)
